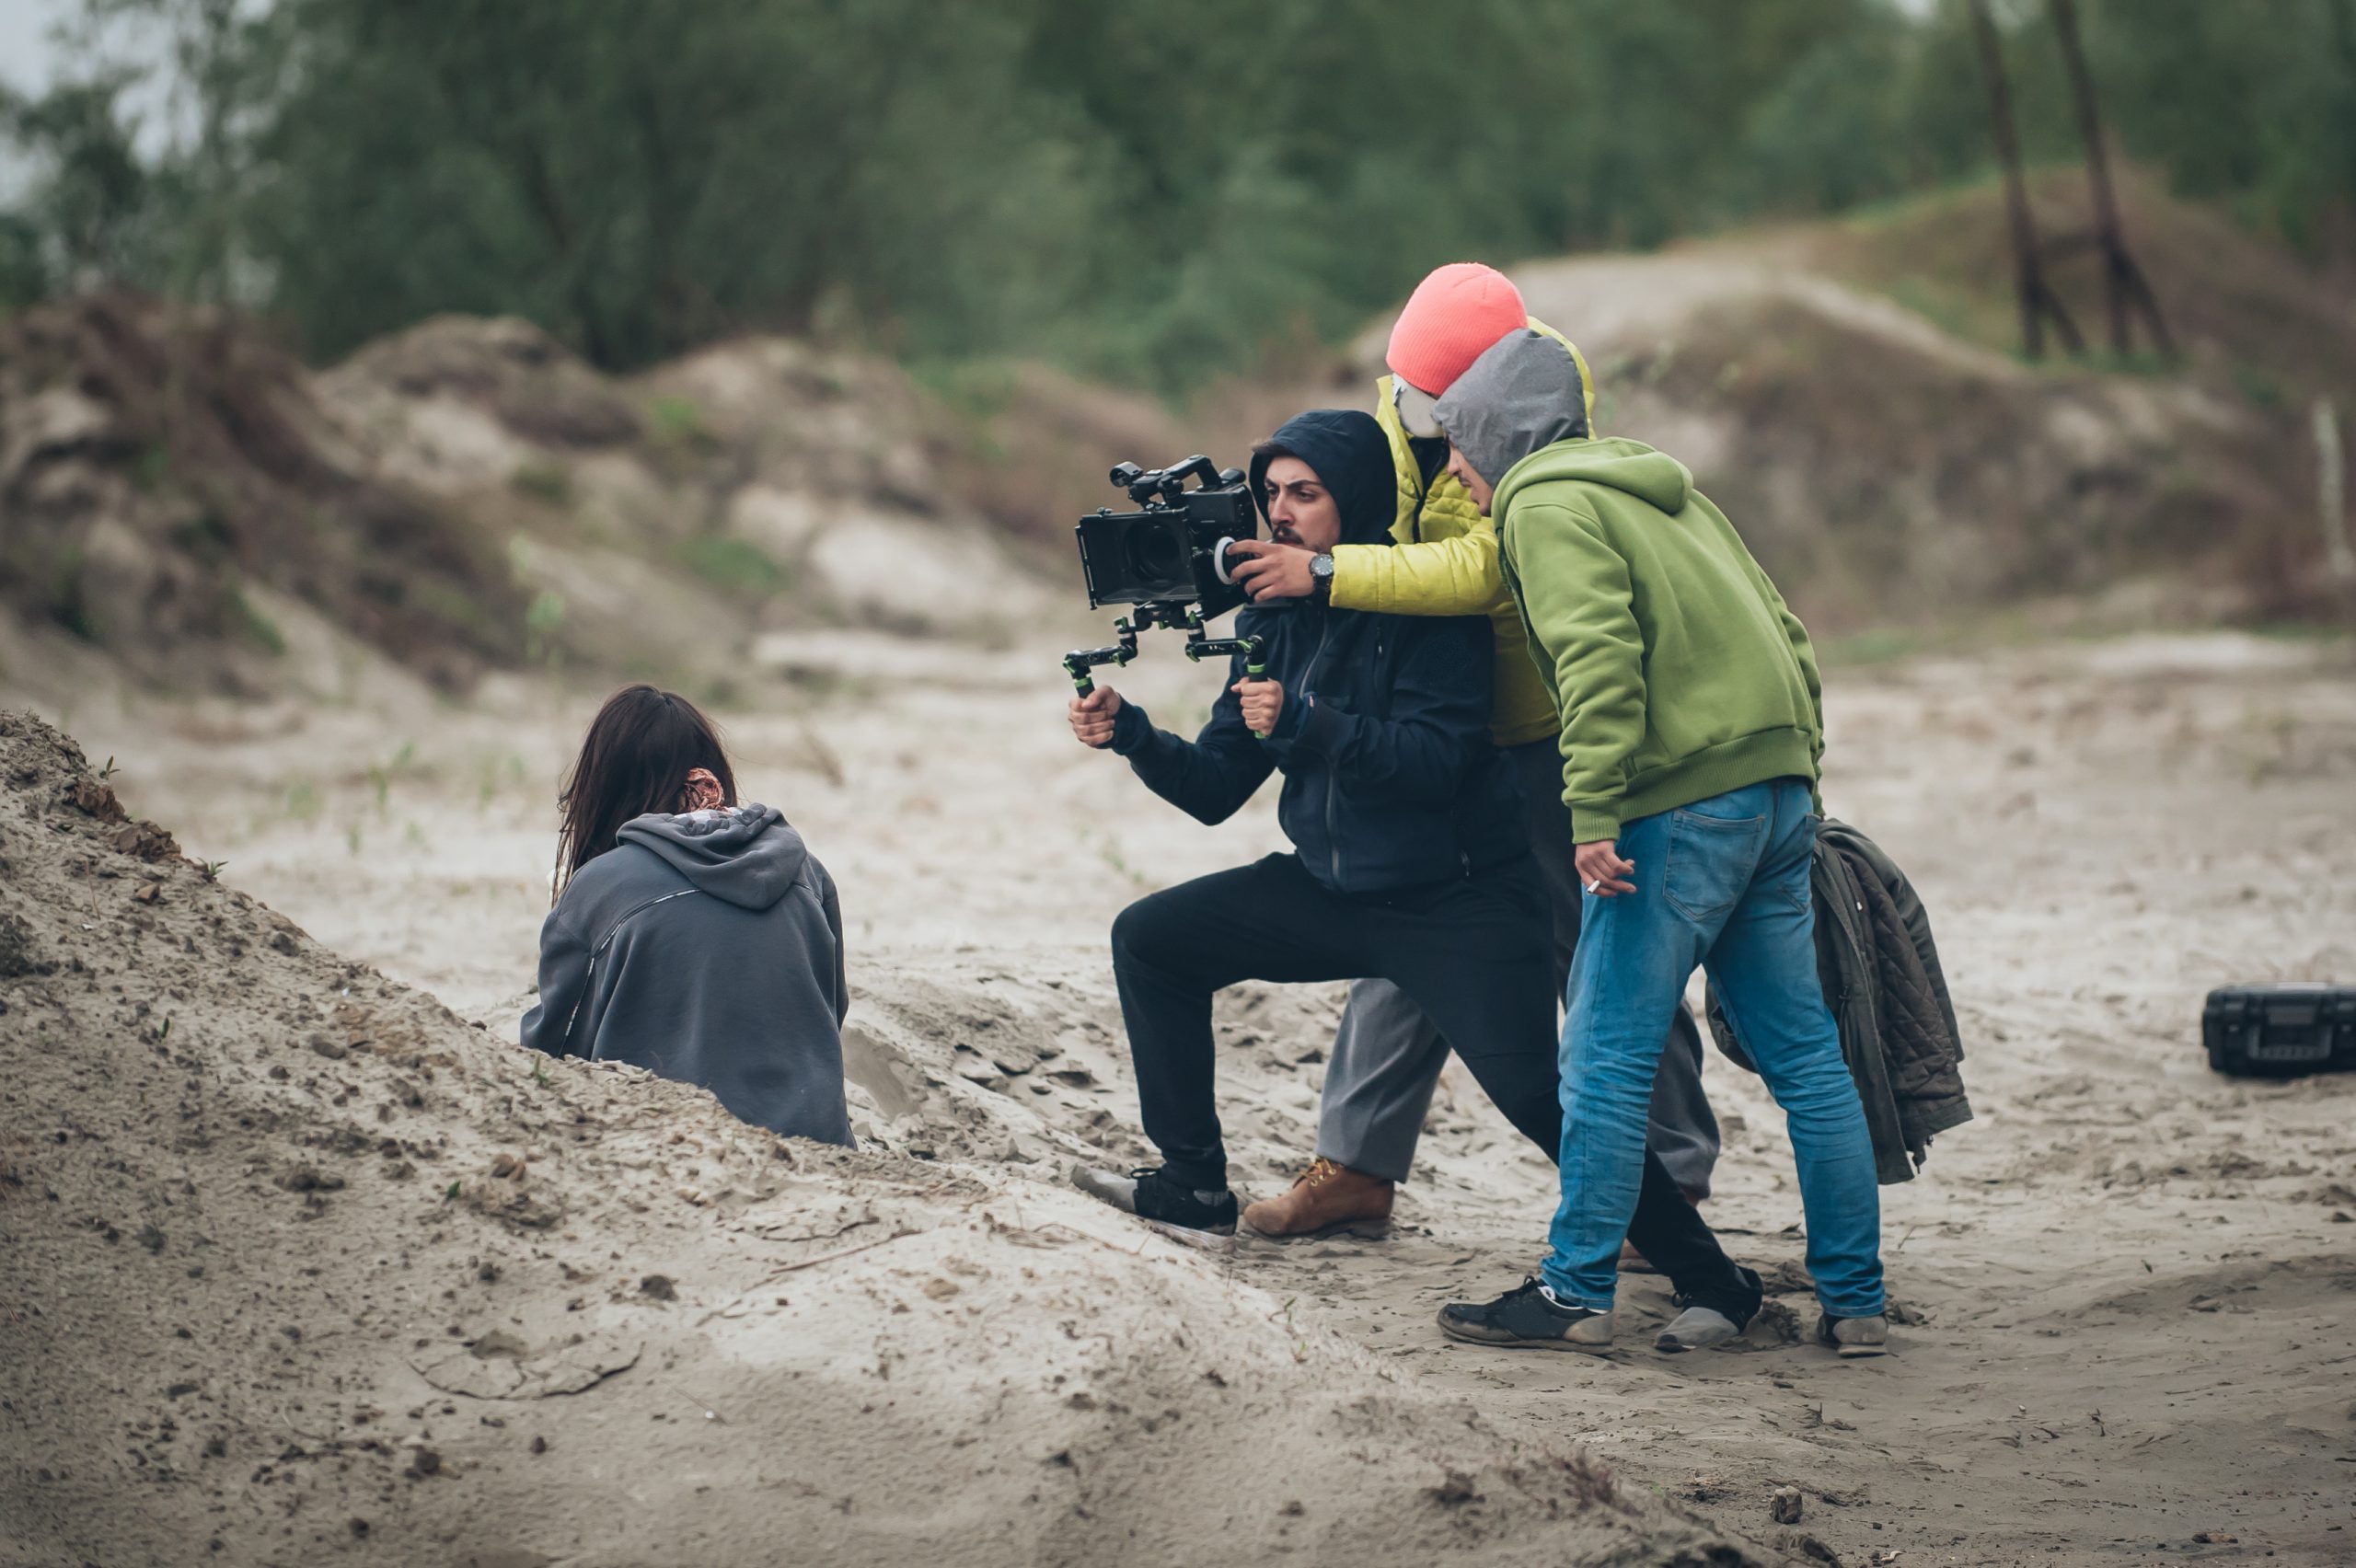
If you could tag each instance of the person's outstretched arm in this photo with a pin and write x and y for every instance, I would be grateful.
(564, 986)
(1456, 576)
(1438, 714)
(1207, 778)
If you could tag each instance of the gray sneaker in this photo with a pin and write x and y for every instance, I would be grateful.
(1697, 1327)
(1853, 1337)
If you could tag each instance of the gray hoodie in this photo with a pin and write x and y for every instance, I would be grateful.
(708, 948)
(1521, 395)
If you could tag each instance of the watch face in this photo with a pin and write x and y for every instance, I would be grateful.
(1321, 566)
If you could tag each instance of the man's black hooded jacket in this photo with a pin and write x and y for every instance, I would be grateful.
(1390, 780)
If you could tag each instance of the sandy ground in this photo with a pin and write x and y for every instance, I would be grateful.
(2128, 1289)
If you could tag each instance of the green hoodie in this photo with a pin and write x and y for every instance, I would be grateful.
(1679, 670)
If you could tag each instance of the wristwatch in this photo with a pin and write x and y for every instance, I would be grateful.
(1321, 577)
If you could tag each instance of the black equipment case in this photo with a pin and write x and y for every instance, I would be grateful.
(2275, 1031)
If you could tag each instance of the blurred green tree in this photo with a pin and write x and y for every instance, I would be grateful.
(1152, 190)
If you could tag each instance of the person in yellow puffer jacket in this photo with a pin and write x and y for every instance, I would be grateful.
(1443, 561)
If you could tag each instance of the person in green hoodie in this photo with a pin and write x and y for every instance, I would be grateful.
(1692, 737)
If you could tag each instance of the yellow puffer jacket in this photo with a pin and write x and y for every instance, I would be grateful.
(1445, 563)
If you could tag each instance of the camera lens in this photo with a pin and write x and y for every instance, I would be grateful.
(1157, 555)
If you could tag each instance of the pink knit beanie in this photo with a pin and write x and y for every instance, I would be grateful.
(1451, 320)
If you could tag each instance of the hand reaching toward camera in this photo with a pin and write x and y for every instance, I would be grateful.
(1271, 571)
(1092, 717)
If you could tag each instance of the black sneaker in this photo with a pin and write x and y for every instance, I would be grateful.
(1528, 1318)
(1153, 1197)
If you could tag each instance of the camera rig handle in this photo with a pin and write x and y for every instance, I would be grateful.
(1079, 660)
(1253, 649)
(1199, 645)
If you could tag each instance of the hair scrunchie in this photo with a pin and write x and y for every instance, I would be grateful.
(702, 792)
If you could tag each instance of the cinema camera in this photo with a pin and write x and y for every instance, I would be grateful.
(1170, 559)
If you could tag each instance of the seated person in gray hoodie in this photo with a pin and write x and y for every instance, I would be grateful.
(691, 936)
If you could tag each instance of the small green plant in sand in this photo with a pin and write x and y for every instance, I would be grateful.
(494, 773)
(542, 481)
(680, 428)
(382, 774)
(541, 621)
(255, 626)
(733, 564)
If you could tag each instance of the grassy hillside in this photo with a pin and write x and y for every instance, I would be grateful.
(1854, 394)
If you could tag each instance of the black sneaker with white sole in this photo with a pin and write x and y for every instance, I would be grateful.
(1528, 1318)
(1149, 1195)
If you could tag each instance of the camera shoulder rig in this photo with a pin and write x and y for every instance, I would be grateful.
(1200, 645)
(1170, 559)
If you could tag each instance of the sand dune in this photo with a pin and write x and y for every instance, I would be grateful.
(2124, 1291)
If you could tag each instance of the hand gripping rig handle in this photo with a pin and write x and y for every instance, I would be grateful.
(1079, 660)
(1253, 649)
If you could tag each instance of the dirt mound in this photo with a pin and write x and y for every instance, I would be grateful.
(196, 507)
(759, 485)
(304, 1268)
(157, 463)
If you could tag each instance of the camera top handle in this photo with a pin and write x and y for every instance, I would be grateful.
(1147, 484)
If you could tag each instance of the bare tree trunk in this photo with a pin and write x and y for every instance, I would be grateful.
(2124, 286)
(2331, 495)
(2037, 300)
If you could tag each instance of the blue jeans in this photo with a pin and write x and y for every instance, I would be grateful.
(1723, 882)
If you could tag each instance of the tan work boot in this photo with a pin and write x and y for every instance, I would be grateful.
(1325, 1198)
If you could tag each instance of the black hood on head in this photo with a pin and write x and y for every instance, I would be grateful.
(1352, 457)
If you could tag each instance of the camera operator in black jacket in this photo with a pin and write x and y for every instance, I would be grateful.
(1410, 861)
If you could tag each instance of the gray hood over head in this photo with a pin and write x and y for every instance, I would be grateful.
(1522, 395)
(749, 856)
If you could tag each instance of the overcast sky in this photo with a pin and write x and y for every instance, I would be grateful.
(26, 58)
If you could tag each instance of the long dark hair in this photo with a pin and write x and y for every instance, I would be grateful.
(634, 760)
